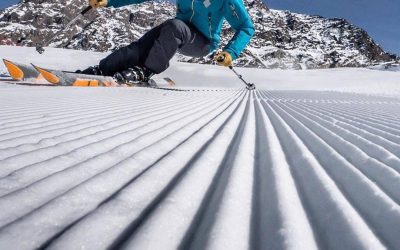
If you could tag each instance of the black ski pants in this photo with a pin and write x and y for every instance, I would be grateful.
(155, 48)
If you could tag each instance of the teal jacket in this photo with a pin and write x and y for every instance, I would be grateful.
(208, 15)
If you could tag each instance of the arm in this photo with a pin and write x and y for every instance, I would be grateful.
(236, 15)
(120, 3)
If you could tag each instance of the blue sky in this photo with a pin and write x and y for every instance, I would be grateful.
(380, 18)
(6, 3)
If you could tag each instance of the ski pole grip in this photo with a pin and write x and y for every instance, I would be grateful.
(86, 10)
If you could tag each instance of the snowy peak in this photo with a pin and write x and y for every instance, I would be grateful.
(33, 22)
(282, 40)
(289, 40)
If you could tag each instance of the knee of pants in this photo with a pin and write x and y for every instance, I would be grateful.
(179, 28)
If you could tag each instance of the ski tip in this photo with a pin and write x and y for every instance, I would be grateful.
(170, 82)
(48, 75)
(15, 72)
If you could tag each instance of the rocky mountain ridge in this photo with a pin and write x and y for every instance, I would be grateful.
(283, 39)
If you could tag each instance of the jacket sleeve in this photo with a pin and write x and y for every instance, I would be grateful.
(236, 15)
(120, 3)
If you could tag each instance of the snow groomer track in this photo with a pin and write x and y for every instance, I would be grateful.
(97, 168)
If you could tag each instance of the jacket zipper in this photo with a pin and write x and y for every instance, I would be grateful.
(234, 11)
(209, 19)
(209, 24)
(192, 11)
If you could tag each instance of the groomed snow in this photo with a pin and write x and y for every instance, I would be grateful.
(309, 160)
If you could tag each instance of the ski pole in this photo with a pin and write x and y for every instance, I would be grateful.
(40, 47)
(249, 86)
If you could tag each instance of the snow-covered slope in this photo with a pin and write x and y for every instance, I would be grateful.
(149, 169)
(282, 40)
(215, 167)
(355, 80)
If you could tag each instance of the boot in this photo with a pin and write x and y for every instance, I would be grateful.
(135, 75)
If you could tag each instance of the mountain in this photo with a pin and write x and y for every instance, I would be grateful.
(282, 40)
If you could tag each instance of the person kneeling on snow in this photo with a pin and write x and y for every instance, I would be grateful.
(194, 32)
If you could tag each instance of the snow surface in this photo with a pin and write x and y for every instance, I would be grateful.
(309, 160)
(354, 80)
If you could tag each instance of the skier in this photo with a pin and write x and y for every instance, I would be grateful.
(194, 32)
